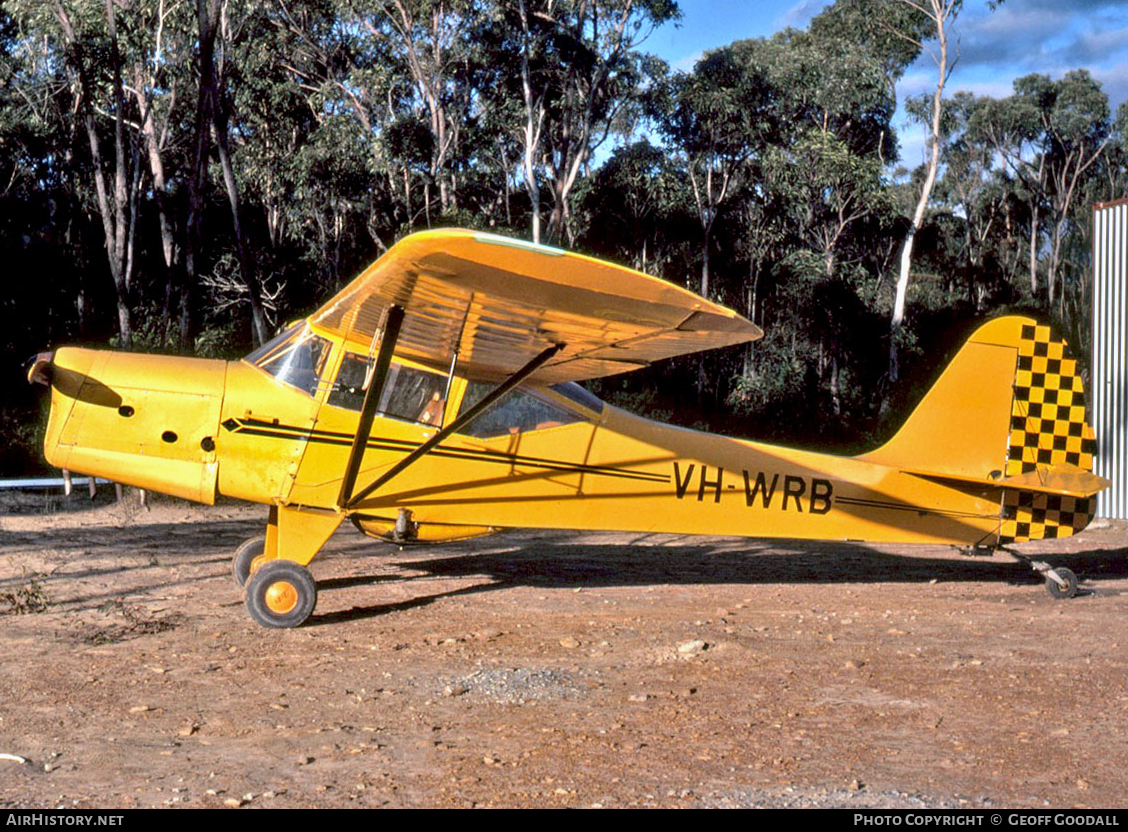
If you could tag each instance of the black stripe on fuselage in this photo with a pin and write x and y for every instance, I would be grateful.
(880, 504)
(275, 430)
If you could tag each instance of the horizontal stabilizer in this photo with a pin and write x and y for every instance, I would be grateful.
(1064, 480)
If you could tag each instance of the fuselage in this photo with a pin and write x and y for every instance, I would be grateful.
(277, 429)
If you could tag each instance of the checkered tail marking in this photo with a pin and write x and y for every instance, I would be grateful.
(1047, 428)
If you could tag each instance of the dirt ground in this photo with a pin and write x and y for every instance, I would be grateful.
(551, 669)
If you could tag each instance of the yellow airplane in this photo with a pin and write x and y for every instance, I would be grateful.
(436, 398)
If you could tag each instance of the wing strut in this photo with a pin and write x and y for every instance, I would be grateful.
(489, 401)
(371, 402)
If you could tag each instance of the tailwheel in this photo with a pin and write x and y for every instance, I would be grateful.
(1060, 582)
(243, 564)
(281, 594)
(1067, 588)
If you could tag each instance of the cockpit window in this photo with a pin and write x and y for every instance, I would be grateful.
(296, 357)
(520, 411)
(580, 395)
(415, 395)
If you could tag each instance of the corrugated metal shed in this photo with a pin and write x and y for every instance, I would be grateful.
(1109, 408)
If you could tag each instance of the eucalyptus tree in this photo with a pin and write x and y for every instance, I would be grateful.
(157, 78)
(823, 164)
(407, 76)
(962, 215)
(715, 124)
(1111, 178)
(87, 38)
(828, 109)
(635, 208)
(1050, 134)
(941, 14)
(890, 32)
(576, 69)
(429, 42)
(1077, 133)
(220, 25)
(41, 215)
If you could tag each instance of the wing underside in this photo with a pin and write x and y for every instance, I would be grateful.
(502, 302)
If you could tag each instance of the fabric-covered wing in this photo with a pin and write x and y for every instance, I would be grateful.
(504, 301)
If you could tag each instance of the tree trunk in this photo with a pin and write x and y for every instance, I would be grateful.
(219, 117)
(160, 187)
(246, 257)
(939, 14)
(531, 135)
(207, 17)
(113, 208)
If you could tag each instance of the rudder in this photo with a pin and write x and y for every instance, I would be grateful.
(1048, 429)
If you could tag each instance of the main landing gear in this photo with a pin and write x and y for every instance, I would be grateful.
(281, 594)
(248, 557)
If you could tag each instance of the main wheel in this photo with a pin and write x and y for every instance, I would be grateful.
(242, 565)
(281, 594)
(1058, 591)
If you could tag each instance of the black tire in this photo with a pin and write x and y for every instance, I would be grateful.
(1058, 591)
(244, 556)
(281, 594)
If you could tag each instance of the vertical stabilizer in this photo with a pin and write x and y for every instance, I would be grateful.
(1010, 403)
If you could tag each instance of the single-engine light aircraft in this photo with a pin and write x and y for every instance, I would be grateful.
(436, 398)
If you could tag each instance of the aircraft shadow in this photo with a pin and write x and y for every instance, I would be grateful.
(568, 561)
(549, 560)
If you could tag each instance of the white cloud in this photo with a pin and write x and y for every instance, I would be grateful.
(1114, 80)
(799, 15)
(687, 63)
(1046, 36)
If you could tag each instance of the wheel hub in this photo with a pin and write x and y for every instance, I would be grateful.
(281, 597)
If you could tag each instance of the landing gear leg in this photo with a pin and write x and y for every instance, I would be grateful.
(279, 590)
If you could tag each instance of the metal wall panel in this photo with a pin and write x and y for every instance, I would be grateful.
(1109, 398)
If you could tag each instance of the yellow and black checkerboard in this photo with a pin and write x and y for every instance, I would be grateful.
(1047, 428)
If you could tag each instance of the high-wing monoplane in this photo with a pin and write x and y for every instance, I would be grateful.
(436, 398)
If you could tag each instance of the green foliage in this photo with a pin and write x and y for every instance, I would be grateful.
(222, 340)
(23, 428)
(642, 401)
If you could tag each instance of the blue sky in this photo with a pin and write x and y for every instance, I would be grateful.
(994, 47)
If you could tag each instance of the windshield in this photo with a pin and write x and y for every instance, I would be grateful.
(296, 357)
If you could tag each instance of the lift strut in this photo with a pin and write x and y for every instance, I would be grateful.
(371, 401)
(468, 416)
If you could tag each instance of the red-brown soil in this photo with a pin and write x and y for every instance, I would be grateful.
(551, 669)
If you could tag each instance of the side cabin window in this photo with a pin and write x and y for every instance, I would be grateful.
(296, 357)
(523, 410)
(409, 393)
